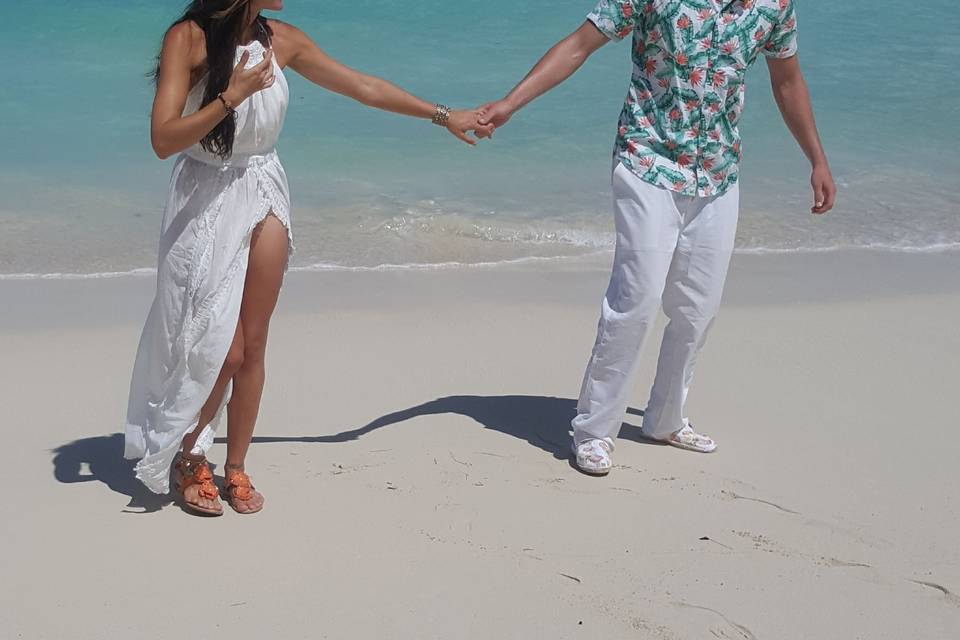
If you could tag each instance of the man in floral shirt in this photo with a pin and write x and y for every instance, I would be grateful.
(676, 196)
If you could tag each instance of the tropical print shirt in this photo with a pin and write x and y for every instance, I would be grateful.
(678, 128)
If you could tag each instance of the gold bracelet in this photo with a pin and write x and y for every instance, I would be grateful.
(442, 115)
(226, 103)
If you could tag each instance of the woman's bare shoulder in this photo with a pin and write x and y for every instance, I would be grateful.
(289, 42)
(285, 31)
(187, 38)
(280, 27)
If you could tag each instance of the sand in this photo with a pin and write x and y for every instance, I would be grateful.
(412, 448)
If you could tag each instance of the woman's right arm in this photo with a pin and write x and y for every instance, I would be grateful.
(172, 133)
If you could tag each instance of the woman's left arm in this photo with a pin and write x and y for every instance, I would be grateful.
(306, 58)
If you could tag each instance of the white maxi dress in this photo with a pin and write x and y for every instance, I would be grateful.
(212, 209)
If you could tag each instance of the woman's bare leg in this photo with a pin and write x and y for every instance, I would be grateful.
(231, 365)
(268, 260)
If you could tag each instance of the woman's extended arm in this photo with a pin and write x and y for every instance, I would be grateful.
(170, 132)
(307, 59)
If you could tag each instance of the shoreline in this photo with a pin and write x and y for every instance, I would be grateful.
(587, 256)
(754, 279)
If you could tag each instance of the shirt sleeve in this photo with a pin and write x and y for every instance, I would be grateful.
(615, 18)
(782, 42)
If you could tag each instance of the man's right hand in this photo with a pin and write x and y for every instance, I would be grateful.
(495, 113)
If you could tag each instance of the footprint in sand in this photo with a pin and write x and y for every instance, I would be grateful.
(834, 562)
(732, 495)
(763, 543)
(951, 597)
(651, 630)
(731, 631)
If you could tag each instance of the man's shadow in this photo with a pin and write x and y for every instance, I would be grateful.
(542, 421)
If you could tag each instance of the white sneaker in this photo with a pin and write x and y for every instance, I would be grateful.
(593, 456)
(690, 440)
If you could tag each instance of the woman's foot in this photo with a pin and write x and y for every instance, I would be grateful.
(195, 485)
(241, 496)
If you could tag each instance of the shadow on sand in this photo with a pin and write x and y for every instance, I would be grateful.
(542, 421)
(103, 458)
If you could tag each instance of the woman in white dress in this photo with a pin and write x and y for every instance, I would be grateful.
(220, 103)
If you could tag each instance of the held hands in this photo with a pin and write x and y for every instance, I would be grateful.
(482, 120)
(495, 114)
(462, 121)
(246, 82)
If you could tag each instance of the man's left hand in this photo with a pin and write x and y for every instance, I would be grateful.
(824, 190)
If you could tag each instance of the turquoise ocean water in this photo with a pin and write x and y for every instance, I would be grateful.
(83, 192)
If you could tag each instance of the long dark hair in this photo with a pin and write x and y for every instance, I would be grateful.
(223, 23)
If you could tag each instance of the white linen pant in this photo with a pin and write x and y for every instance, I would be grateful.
(670, 248)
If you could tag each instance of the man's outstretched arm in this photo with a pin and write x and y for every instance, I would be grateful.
(793, 98)
(557, 65)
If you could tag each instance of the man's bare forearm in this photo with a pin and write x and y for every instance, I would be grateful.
(558, 64)
(793, 98)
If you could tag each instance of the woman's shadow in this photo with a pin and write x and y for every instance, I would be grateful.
(542, 421)
(100, 459)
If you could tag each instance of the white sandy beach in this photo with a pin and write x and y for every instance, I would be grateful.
(412, 449)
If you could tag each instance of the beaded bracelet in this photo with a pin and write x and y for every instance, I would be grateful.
(442, 115)
(226, 103)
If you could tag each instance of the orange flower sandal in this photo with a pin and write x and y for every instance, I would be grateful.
(196, 472)
(240, 491)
